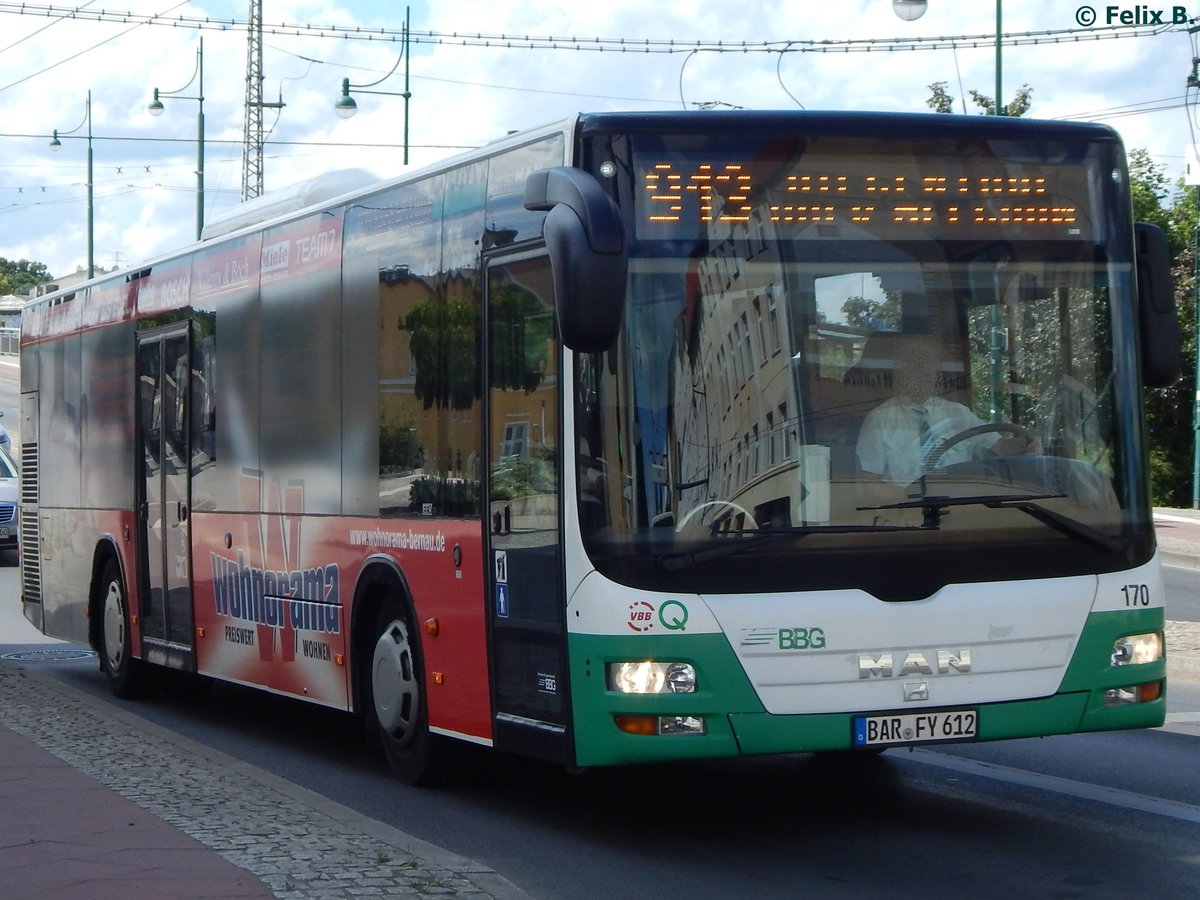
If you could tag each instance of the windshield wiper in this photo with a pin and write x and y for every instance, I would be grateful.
(933, 508)
(673, 562)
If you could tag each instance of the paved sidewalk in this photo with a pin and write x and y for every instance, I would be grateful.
(96, 803)
(66, 835)
(1178, 535)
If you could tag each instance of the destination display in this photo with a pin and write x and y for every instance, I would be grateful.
(896, 198)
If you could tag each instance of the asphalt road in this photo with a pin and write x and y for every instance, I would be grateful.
(1081, 815)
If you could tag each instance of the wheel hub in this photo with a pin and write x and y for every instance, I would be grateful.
(114, 627)
(393, 682)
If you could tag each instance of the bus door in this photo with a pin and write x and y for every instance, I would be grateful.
(165, 598)
(526, 605)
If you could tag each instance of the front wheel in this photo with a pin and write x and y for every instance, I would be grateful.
(397, 701)
(126, 675)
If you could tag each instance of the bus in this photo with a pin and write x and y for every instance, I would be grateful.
(569, 447)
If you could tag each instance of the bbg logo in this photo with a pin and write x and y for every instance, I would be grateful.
(1136, 15)
(801, 638)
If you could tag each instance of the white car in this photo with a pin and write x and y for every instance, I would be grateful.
(4, 444)
(10, 499)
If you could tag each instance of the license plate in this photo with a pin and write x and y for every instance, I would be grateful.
(915, 728)
(4, 532)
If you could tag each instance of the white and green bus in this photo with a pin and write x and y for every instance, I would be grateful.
(601, 444)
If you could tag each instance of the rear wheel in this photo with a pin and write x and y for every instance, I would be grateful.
(126, 675)
(397, 701)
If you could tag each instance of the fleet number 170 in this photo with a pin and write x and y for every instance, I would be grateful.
(1136, 594)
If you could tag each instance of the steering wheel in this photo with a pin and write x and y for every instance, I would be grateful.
(706, 504)
(965, 435)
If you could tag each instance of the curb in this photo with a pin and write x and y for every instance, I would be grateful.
(201, 761)
(1183, 665)
(1176, 558)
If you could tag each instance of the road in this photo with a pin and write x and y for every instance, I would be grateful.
(1083, 815)
(1101, 815)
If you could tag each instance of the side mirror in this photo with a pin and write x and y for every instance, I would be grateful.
(1161, 348)
(588, 255)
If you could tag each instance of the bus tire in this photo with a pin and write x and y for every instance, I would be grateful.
(126, 675)
(396, 686)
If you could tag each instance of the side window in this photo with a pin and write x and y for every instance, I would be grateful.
(523, 389)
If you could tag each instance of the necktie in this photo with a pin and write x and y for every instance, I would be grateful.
(924, 435)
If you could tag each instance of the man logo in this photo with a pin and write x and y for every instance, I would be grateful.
(914, 662)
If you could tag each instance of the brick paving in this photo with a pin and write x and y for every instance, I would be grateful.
(100, 805)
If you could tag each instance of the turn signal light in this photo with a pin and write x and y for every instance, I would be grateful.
(658, 725)
(1134, 693)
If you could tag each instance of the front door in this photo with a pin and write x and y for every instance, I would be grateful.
(527, 609)
(165, 598)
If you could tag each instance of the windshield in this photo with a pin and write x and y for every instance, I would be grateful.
(853, 361)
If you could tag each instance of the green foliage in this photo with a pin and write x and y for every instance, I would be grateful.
(872, 314)
(524, 477)
(446, 345)
(1169, 426)
(940, 100)
(18, 276)
(1150, 189)
(446, 351)
(400, 449)
(522, 328)
(445, 496)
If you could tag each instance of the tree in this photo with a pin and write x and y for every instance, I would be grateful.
(1169, 425)
(446, 351)
(873, 314)
(18, 276)
(941, 101)
(1150, 189)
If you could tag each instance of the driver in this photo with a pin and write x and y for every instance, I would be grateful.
(900, 434)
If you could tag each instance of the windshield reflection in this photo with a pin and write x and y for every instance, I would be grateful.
(833, 400)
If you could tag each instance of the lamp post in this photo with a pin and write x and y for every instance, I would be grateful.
(56, 144)
(345, 106)
(911, 10)
(156, 109)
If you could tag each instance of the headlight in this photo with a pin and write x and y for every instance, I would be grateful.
(648, 677)
(1136, 649)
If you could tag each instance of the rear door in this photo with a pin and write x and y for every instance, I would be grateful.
(164, 482)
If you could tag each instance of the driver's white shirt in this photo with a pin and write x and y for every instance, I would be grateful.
(892, 446)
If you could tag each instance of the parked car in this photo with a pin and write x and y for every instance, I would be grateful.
(4, 443)
(10, 500)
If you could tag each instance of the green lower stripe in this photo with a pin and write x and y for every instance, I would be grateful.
(736, 723)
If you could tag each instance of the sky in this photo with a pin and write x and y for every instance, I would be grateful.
(474, 76)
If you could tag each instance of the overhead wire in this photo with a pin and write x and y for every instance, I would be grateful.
(85, 12)
(75, 54)
(597, 44)
(38, 31)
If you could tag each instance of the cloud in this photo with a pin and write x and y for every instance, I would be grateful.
(144, 178)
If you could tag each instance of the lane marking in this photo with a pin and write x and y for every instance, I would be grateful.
(1158, 806)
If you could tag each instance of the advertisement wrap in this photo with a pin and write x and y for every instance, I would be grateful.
(274, 601)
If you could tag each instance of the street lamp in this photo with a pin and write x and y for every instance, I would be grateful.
(911, 10)
(345, 106)
(56, 144)
(156, 109)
